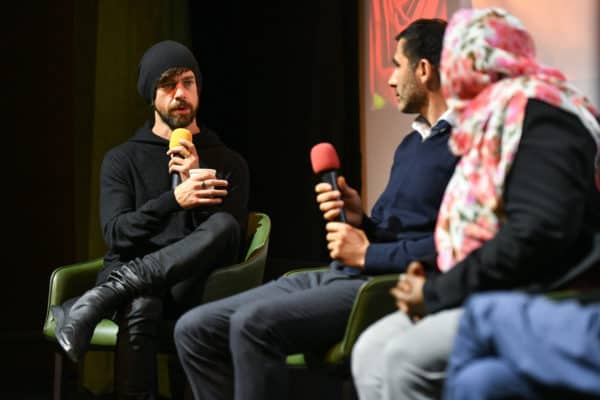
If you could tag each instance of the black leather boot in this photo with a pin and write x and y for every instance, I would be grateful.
(75, 328)
(214, 242)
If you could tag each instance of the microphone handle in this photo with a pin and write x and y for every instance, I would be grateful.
(331, 178)
(175, 180)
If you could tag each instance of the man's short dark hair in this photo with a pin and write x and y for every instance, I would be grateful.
(424, 39)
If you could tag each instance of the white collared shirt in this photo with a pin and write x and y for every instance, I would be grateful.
(421, 125)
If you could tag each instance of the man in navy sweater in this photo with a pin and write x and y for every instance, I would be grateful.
(236, 347)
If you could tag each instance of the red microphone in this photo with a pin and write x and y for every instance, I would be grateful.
(325, 163)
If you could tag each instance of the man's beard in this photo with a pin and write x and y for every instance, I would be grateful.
(414, 98)
(175, 121)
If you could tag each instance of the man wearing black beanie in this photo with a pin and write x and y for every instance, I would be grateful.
(162, 241)
(159, 58)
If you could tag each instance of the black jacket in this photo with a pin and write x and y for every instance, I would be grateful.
(552, 210)
(138, 210)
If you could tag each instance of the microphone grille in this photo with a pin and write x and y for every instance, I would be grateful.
(323, 157)
(179, 133)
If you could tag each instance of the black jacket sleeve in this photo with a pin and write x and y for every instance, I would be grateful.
(546, 196)
(124, 225)
(238, 177)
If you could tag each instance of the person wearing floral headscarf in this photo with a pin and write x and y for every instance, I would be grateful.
(519, 212)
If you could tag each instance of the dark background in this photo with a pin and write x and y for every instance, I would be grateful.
(280, 76)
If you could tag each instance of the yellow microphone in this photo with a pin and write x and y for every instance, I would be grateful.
(179, 133)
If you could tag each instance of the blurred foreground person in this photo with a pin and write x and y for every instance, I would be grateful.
(519, 346)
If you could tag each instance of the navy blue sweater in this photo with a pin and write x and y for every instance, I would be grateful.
(403, 218)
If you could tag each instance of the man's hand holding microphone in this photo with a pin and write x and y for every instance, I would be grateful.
(341, 206)
(192, 186)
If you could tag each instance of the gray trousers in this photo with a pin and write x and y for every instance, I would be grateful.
(398, 359)
(236, 347)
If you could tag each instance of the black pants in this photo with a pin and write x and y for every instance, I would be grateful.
(236, 347)
(183, 266)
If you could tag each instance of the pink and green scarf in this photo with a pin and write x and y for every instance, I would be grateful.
(488, 73)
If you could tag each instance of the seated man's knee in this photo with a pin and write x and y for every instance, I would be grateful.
(250, 323)
(227, 235)
(404, 361)
(228, 225)
(196, 326)
(426, 346)
(400, 350)
(367, 352)
(364, 350)
(392, 353)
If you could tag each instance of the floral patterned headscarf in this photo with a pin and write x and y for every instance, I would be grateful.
(489, 72)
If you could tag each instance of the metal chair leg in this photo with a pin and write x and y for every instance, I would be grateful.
(58, 376)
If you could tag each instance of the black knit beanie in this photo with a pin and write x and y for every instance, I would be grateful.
(159, 58)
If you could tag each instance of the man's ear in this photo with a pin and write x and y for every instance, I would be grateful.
(425, 71)
(428, 75)
(422, 71)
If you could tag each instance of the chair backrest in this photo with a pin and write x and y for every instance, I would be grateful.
(232, 279)
(257, 233)
(66, 282)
